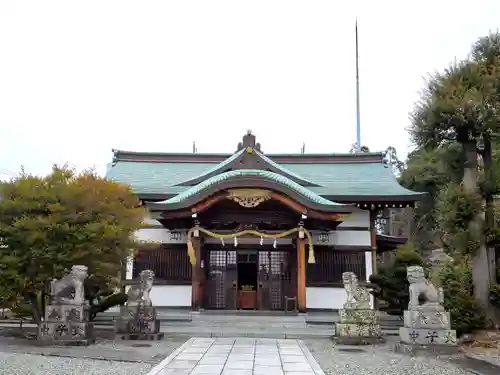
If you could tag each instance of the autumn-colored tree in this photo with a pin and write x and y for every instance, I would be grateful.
(48, 224)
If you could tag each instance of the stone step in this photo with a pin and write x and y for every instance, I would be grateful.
(256, 319)
(245, 313)
(163, 314)
(329, 320)
(191, 330)
(384, 325)
(300, 333)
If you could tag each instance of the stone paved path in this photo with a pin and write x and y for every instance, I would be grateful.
(239, 356)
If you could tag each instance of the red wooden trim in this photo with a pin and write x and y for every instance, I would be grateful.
(289, 202)
(207, 203)
(285, 200)
(301, 275)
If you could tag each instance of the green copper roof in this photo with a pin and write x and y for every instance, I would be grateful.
(334, 179)
(192, 191)
(280, 167)
(228, 161)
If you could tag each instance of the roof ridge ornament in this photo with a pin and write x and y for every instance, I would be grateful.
(248, 142)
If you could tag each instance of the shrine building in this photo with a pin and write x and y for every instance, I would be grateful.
(257, 231)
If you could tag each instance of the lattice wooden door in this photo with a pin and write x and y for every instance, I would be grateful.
(277, 274)
(222, 279)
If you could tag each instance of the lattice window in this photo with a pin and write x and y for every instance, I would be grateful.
(169, 264)
(331, 263)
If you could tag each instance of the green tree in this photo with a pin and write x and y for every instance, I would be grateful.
(48, 224)
(429, 171)
(461, 106)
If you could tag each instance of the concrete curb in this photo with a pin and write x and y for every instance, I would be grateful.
(160, 366)
(310, 358)
(485, 367)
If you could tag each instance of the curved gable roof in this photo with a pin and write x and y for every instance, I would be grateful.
(247, 157)
(243, 178)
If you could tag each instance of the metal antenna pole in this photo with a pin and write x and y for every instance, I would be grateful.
(358, 117)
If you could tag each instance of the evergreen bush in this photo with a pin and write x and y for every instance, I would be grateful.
(391, 285)
(100, 293)
(495, 295)
(106, 303)
(466, 313)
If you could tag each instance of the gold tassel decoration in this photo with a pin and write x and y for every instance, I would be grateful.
(251, 232)
(191, 252)
(311, 259)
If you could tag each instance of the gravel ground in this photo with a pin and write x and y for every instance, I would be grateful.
(371, 360)
(111, 350)
(26, 364)
(15, 358)
(376, 360)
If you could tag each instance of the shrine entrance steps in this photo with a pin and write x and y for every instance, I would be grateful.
(254, 324)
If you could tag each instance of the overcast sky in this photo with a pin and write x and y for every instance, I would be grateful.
(78, 78)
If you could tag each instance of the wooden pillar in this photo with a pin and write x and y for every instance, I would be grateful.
(301, 275)
(196, 276)
(373, 235)
(201, 274)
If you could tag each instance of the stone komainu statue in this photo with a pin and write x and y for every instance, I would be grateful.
(357, 296)
(139, 294)
(70, 288)
(423, 294)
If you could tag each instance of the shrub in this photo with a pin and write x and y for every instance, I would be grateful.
(100, 294)
(495, 295)
(466, 313)
(106, 303)
(391, 285)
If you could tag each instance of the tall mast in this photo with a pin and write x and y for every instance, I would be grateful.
(358, 120)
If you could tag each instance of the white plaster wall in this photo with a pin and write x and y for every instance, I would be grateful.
(339, 238)
(334, 298)
(369, 272)
(250, 240)
(160, 235)
(358, 218)
(369, 265)
(130, 268)
(170, 295)
(325, 298)
(351, 238)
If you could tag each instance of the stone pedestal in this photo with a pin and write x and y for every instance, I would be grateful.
(427, 327)
(358, 327)
(66, 324)
(145, 326)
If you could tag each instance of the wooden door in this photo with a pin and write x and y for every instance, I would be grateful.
(263, 281)
(221, 280)
(277, 276)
